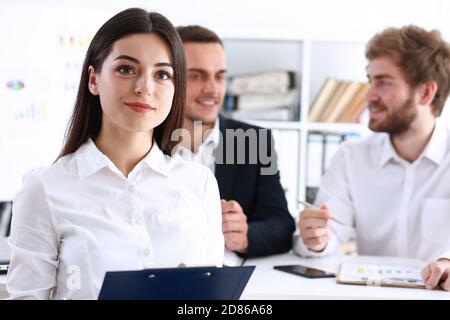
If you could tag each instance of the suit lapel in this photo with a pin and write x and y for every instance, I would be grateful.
(225, 174)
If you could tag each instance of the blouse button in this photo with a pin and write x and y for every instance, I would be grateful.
(147, 251)
(131, 187)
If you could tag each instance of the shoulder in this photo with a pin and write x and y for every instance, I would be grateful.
(64, 168)
(32, 178)
(227, 123)
(362, 145)
(52, 176)
(233, 129)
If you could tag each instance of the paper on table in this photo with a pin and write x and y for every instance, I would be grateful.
(381, 275)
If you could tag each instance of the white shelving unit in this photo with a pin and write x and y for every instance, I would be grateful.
(314, 62)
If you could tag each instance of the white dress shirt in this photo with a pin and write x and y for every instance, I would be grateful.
(397, 208)
(206, 152)
(82, 217)
(205, 155)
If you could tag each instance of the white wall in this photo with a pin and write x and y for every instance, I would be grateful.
(318, 19)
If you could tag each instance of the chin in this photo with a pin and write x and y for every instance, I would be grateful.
(204, 118)
(376, 128)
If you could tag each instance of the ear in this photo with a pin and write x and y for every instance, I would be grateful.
(92, 83)
(428, 92)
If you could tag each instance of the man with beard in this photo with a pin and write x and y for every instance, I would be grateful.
(393, 188)
(255, 218)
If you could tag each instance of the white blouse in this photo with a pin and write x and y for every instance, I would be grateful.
(82, 217)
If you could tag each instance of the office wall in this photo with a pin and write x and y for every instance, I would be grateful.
(42, 44)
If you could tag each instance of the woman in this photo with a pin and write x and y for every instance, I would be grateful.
(115, 199)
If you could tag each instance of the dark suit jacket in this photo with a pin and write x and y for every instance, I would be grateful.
(260, 196)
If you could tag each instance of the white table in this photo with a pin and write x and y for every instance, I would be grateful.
(268, 283)
(271, 284)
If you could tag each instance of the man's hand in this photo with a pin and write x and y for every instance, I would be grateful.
(436, 274)
(234, 226)
(314, 225)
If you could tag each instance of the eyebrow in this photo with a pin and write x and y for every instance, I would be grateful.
(381, 76)
(159, 64)
(204, 71)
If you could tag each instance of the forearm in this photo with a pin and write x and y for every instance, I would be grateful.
(270, 236)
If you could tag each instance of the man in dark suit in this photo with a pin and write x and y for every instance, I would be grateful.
(255, 218)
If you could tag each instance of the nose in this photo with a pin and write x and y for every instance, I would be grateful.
(210, 86)
(371, 94)
(144, 86)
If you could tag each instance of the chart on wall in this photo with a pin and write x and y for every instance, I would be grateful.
(41, 57)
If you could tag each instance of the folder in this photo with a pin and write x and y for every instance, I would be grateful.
(195, 283)
(5, 254)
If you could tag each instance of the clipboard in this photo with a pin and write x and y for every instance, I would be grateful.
(194, 283)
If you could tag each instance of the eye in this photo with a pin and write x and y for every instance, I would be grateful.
(383, 83)
(220, 77)
(163, 75)
(127, 70)
(193, 76)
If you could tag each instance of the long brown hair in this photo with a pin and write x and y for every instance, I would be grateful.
(86, 118)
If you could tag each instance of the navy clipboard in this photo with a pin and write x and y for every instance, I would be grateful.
(196, 283)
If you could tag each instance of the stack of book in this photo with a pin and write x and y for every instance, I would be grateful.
(269, 95)
(339, 101)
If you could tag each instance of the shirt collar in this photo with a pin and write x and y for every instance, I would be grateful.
(387, 151)
(157, 160)
(213, 139)
(435, 150)
(213, 136)
(91, 160)
(437, 146)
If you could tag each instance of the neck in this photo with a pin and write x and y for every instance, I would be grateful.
(410, 144)
(197, 133)
(124, 149)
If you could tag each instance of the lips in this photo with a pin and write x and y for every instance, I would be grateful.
(208, 102)
(140, 107)
(376, 110)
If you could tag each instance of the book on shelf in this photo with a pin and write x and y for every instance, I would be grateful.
(322, 99)
(281, 113)
(353, 110)
(338, 101)
(340, 89)
(251, 101)
(342, 103)
(266, 82)
(268, 95)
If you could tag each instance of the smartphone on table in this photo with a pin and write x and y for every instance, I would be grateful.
(4, 268)
(305, 271)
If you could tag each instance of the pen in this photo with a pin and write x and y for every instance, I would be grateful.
(309, 205)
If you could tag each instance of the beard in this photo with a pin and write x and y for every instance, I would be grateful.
(396, 122)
